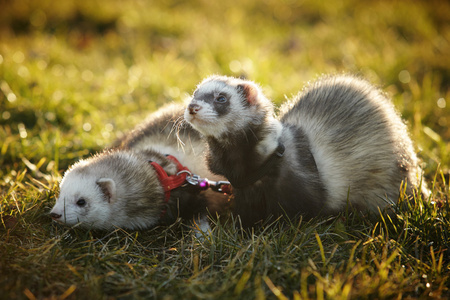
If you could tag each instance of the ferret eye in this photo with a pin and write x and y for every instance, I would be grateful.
(221, 99)
(81, 202)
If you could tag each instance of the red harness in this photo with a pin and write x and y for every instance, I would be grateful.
(170, 182)
(181, 177)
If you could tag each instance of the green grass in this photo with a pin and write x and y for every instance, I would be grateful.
(75, 75)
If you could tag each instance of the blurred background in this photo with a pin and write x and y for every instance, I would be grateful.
(77, 74)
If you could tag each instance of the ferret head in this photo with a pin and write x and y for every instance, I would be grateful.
(84, 199)
(223, 105)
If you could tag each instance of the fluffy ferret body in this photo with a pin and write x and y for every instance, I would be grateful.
(119, 187)
(343, 139)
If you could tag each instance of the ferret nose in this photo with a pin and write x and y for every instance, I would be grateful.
(194, 108)
(55, 216)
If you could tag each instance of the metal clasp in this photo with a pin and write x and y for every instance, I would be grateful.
(204, 183)
(190, 178)
(220, 186)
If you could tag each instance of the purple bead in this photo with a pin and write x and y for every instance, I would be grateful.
(204, 185)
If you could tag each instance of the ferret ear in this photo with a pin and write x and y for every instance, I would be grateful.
(250, 92)
(108, 187)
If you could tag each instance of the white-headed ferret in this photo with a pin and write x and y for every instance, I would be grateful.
(120, 188)
(339, 140)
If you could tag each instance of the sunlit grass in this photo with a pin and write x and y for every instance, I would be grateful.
(75, 75)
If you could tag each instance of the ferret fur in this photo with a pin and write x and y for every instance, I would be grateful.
(344, 143)
(121, 189)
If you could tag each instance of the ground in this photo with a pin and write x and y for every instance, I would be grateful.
(75, 75)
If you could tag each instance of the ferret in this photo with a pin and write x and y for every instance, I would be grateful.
(119, 188)
(338, 142)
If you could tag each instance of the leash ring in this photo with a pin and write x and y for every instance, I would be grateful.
(185, 171)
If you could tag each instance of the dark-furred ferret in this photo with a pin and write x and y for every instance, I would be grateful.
(340, 140)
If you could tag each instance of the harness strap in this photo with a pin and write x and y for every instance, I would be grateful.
(170, 182)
